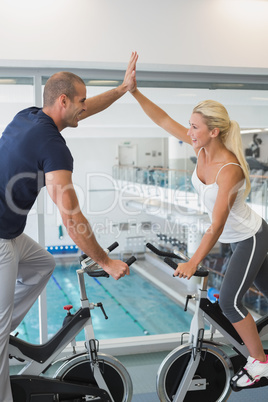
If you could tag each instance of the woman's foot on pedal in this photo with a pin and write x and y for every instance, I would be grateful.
(251, 373)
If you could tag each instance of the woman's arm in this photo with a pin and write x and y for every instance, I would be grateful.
(160, 117)
(229, 181)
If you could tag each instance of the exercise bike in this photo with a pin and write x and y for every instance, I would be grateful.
(201, 369)
(87, 376)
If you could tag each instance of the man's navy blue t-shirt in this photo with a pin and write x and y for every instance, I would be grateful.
(30, 146)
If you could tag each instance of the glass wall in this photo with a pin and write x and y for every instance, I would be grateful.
(95, 145)
(16, 93)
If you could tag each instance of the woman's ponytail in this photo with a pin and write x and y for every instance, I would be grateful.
(233, 141)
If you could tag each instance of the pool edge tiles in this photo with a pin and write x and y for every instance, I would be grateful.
(140, 344)
(134, 345)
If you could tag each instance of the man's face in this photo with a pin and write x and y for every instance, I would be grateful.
(75, 107)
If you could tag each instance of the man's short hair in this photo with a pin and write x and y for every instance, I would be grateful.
(60, 83)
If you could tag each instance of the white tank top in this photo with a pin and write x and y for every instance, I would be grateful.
(242, 221)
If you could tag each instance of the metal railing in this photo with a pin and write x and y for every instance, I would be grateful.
(152, 179)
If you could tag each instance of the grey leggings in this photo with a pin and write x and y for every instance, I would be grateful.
(248, 265)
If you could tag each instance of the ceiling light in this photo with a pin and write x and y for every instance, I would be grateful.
(7, 81)
(251, 131)
(259, 98)
(102, 82)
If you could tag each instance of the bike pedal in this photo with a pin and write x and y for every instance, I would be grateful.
(257, 384)
(234, 387)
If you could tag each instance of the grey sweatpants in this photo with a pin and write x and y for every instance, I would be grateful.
(25, 268)
(248, 265)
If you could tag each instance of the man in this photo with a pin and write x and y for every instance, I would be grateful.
(33, 153)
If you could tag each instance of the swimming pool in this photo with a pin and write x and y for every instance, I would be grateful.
(135, 307)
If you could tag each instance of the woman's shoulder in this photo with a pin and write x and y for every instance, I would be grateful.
(230, 171)
(230, 168)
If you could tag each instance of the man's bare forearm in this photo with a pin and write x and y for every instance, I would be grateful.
(81, 233)
(101, 102)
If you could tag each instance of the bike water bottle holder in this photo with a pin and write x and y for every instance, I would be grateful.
(182, 336)
(202, 351)
(199, 346)
(94, 348)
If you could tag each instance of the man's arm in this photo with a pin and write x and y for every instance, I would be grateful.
(60, 188)
(101, 102)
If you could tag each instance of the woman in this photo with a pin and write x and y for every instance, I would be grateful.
(221, 178)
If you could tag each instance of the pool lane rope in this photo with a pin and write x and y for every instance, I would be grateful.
(112, 297)
(106, 291)
(63, 292)
(123, 308)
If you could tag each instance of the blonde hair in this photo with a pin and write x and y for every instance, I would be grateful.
(216, 116)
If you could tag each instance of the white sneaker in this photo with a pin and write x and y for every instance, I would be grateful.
(252, 372)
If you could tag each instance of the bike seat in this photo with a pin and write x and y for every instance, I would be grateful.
(41, 353)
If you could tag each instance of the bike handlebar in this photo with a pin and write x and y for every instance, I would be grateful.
(201, 271)
(131, 260)
(112, 246)
(161, 253)
(95, 270)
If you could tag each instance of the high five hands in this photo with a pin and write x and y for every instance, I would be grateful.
(130, 75)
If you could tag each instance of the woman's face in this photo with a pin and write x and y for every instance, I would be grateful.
(198, 131)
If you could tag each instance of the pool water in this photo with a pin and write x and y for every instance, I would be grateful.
(135, 307)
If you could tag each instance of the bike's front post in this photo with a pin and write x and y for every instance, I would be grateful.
(90, 342)
(198, 324)
(196, 335)
(89, 332)
(90, 267)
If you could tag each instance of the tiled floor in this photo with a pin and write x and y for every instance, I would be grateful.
(143, 369)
